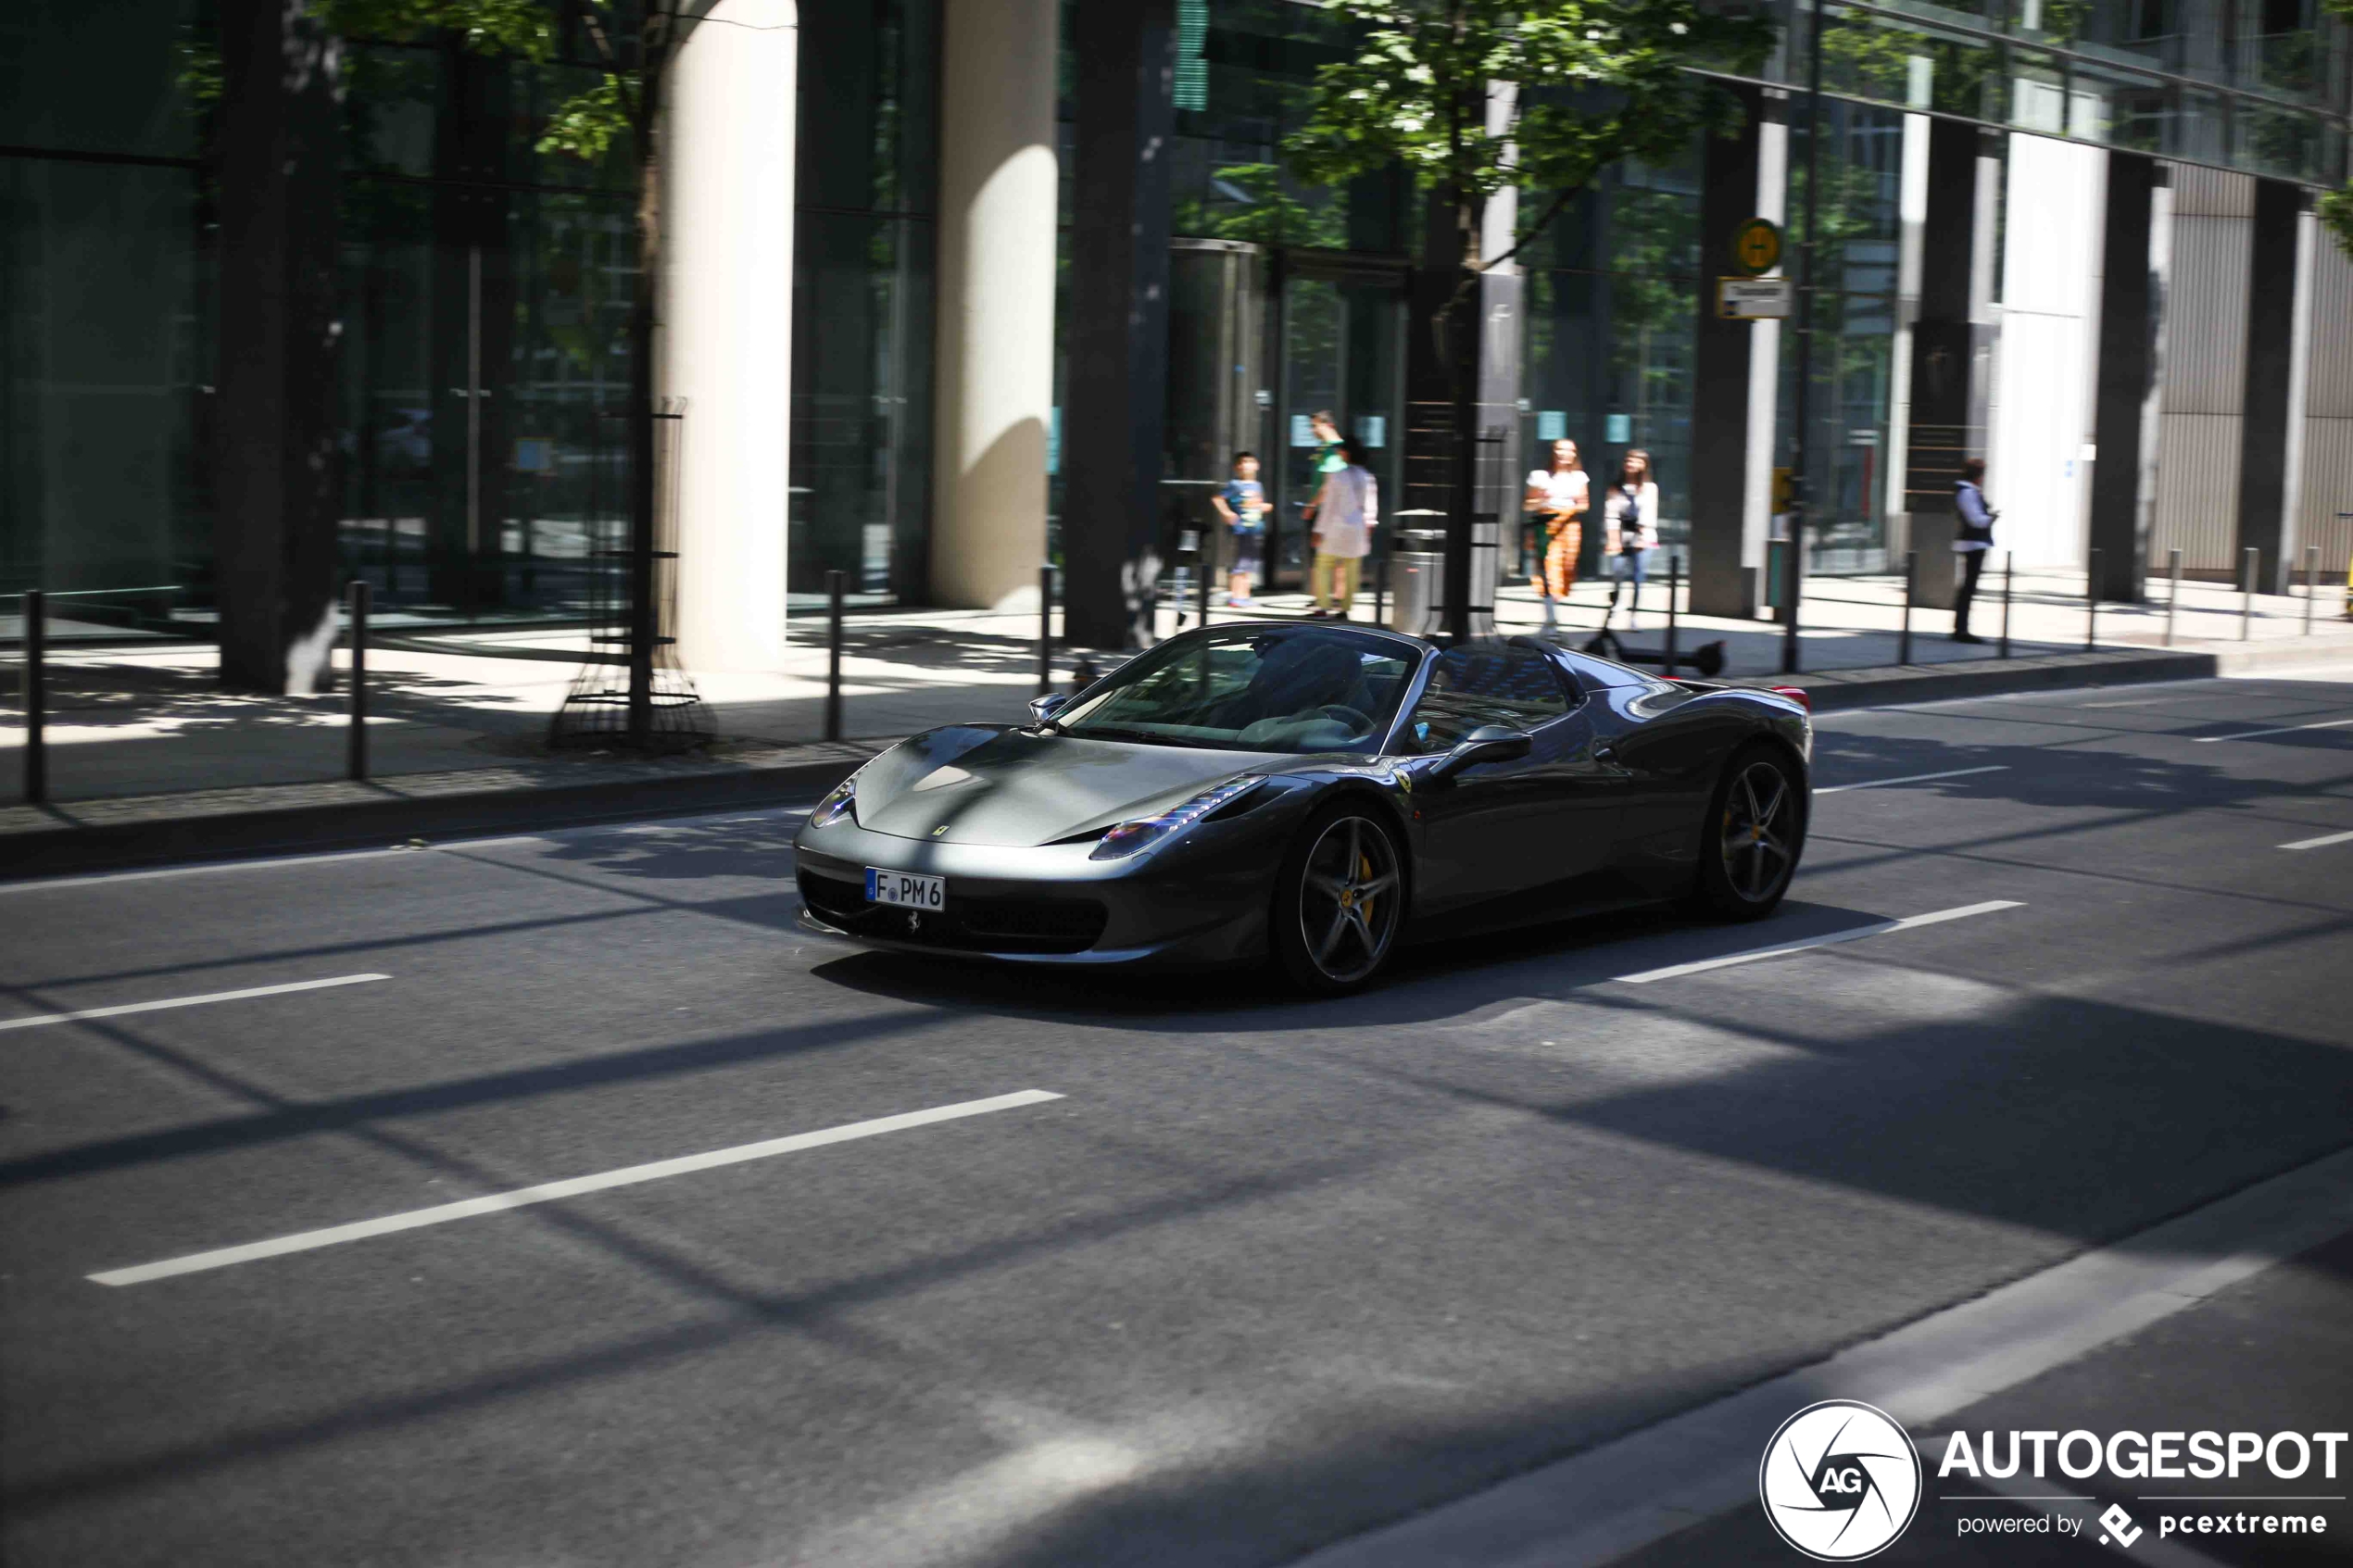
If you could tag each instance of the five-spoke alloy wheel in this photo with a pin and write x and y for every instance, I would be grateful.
(1339, 901)
(1755, 832)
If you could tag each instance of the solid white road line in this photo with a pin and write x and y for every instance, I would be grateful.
(1914, 778)
(168, 1002)
(548, 1192)
(2283, 730)
(2321, 843)
(328, 856)
(1612, 1500)
(1673, 972)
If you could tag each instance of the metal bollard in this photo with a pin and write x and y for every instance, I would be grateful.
(1207, 558)
(356, 748)
(835, 583)
(1381, 589)
(2010, 569)
(2311, 583)
(1674, 587)
(36, 697)
(2172, 594)
(2249, 558)
(2092, 605)
(1045, 628)
(1911, 580)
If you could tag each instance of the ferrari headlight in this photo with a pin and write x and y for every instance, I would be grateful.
(840, 801)
(1142, 832)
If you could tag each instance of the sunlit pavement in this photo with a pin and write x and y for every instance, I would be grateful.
(1268, 1274)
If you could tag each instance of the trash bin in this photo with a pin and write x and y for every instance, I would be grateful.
(1417, 580)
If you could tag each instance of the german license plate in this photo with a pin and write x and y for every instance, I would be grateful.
(907, 888)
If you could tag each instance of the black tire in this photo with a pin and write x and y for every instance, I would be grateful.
(1339, 900)
(1754, 833)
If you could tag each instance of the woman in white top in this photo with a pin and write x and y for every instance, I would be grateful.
(1632, 513)
(1347, 509)
(1558, 497)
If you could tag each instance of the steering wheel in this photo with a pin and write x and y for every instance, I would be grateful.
(1340, 714)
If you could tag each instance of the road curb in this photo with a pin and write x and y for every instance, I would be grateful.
(1894, 685)
(79, 836)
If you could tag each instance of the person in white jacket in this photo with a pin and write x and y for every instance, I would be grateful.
(1629, 516)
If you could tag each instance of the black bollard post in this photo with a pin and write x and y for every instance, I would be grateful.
(1673, 590)
(2010, 569)
(1207, 558)
(1911, 580)
(2092, 605)
(1045, 628)
(36, 697)
(2311, 583)
(2173, 594)
(835, 581)
(356, 748)
(2248, 558)
(1381, 589)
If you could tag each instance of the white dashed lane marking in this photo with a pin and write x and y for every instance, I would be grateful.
(166, 1003)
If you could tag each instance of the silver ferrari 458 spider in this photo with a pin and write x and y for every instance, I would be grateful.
(1316, 795)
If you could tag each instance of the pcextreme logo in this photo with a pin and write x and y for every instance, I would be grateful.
(1839, 1480)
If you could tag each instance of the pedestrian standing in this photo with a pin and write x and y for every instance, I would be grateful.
(1242, 506)
(1972, 542)
(1557, 497)
(1630, 512)
(1347, 509)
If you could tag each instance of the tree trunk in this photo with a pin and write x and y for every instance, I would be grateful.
(644, 620)
(278, 469)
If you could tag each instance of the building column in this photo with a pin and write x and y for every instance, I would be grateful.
(998, 181)
(1115, 398)
(2264, 443)
(1722, 574)
(2123, 434)
(1953, 338)
(276, 469)
(725, 338)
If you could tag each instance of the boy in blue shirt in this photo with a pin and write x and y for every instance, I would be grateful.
(1242, 505)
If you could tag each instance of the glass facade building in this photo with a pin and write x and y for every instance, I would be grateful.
(482, 365)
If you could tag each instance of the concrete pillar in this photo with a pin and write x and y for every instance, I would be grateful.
(998, 192)
(725, 342)
(2132, 313)
(1723, 579)
(2271, 301)
(1952, 344)
(1115, 535)
(1757, 523)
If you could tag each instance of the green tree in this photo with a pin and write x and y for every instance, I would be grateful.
(1475, 96)
(2336, 208)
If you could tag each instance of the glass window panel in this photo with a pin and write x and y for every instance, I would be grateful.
(2038, 93)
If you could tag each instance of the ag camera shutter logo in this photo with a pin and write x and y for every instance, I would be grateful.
(1839, 1480)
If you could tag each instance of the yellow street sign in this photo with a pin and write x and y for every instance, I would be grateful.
(1756, 246)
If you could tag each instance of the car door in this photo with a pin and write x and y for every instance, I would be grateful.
(1528, 832)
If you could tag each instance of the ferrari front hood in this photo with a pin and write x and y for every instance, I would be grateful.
(1018, 787)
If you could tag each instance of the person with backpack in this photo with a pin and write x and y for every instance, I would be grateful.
(1241, 505)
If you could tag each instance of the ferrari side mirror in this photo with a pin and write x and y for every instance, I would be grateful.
(1044, 708)
(1489, 743)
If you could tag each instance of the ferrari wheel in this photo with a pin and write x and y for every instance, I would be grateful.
(1337, 901)
(1755, 829)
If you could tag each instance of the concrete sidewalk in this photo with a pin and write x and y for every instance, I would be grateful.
(143, 747)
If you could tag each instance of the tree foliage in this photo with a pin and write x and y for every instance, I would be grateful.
(1583, 84)
(2336, 207)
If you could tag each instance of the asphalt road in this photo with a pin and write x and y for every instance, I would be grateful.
(1266, 1274)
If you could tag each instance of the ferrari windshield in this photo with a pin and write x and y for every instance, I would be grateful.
(1293, 689)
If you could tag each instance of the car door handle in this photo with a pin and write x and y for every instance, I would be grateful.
(1604, 753)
